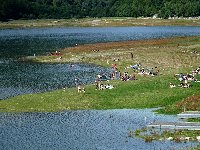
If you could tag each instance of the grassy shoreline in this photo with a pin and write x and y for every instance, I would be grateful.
(171, 56)
(98, 22)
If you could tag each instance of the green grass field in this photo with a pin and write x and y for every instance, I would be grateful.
(171, 56)
(143, 93)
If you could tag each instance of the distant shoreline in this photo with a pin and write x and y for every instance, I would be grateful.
(100, 22)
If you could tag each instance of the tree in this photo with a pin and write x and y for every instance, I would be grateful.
(16, 9)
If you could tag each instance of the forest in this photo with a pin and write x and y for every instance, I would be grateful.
(57, 9)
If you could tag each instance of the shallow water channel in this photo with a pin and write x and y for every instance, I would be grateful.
(81, 130)
(85, 130)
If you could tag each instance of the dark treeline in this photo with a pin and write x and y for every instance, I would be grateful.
(37, 9)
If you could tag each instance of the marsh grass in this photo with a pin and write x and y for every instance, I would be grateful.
(178, 136)
(193, 120)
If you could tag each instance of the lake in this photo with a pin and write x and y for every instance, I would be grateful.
(81, 130)
(74, 130)
(22, 77)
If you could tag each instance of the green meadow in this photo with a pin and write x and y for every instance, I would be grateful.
(170, 56)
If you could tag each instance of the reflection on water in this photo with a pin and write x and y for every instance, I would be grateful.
(80, 130)
(19, 78)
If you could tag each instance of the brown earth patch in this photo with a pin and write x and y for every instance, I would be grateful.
(191, 103)
(116, 45)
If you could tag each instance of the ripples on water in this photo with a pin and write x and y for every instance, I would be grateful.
(17, 42)
(80, 130)
(19, 77)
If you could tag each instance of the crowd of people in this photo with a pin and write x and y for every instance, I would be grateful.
(56, 53)
(186, 79)
(145, 71)
(123, 76)
(102, 80)
(116, 74)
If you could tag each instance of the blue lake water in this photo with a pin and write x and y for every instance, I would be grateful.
(71, 130)
(81, 130)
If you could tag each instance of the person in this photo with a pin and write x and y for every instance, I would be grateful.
(83, 90)
(133, 77)
(79, 88)
(118, 74)
(59, 58)
(97, 83)
(172, 85)
(157, 70)
(76, 81)
(102, 87)
(114, 66)
(131, 55)
(108, 86)
(99, 76)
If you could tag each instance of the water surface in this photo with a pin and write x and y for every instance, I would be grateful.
(81, 130)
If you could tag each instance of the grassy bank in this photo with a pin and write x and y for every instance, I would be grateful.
(98, 22)
(171, 56)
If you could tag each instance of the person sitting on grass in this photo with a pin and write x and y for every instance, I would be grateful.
(83, 90)
(79, 88)
(184, 85)
(108, 86)
(97, 83)
(102, 87)
(133, 77)
(172, 85)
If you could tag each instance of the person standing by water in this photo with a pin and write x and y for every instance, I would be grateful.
(114, 67)
(97, 83)
(132, 56)
(76, 80)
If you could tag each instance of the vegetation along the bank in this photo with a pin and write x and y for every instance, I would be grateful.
(166, 135)
(169, 56)
(99, 22)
